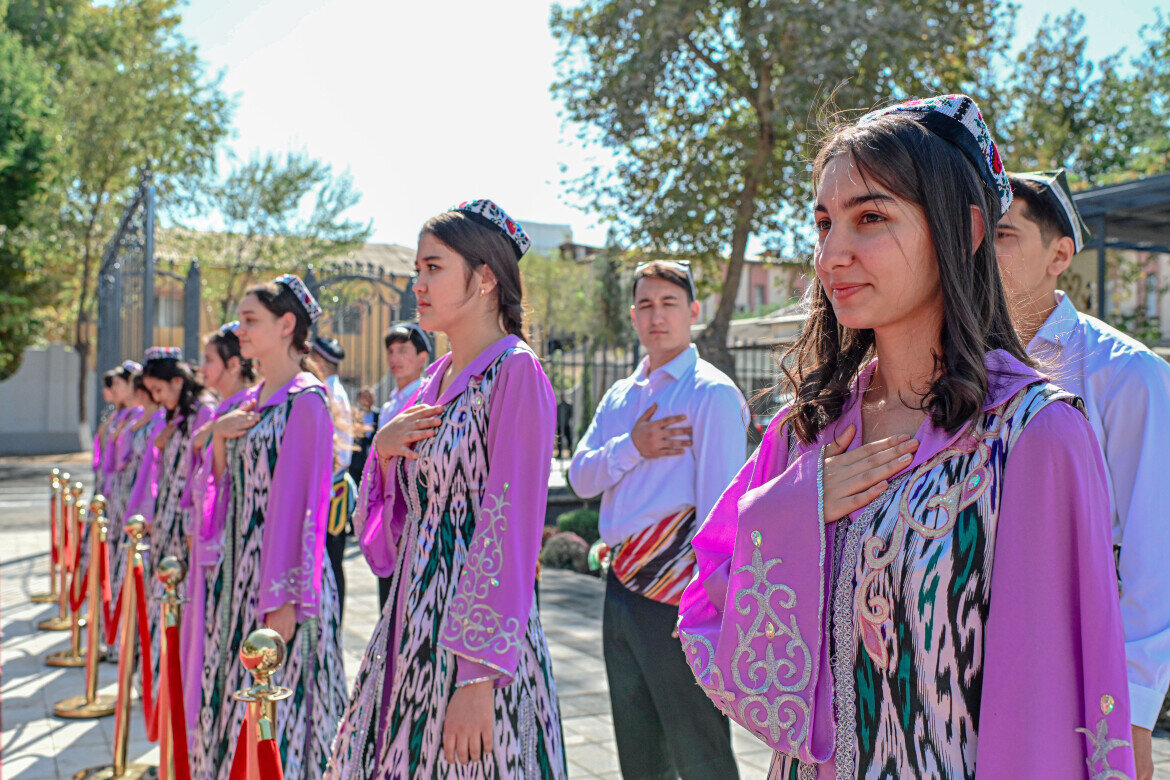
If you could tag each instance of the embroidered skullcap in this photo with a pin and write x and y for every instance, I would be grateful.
(1053, 186)
(164, 353)
(229, 327)
(412, 333)
(131, 366)
(298, 288)
(488, 214)
(329, 349)
(957, 120)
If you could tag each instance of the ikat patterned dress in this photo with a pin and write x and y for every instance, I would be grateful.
(459, 531)
(274, 496)
(965, 624)
(132, 450)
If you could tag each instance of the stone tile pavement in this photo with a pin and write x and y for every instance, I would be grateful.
(37, 746)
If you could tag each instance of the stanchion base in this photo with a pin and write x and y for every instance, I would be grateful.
(56, 624)
(65, 658)
(43, 598)
(76, 707)
(133, 772)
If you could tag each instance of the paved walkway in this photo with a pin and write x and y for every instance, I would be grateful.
(37, 746)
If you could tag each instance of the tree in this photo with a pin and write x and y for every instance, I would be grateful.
(558, 294)
(711, 108)
(275, 213)
(131, 93)
(26, 127)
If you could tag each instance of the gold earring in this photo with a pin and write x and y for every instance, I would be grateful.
(482, 291)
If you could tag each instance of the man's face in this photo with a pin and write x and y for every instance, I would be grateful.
(1026, 260)
(662, 315)
(405, 362)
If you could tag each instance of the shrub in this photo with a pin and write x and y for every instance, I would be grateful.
(582, 522)
(566, 550)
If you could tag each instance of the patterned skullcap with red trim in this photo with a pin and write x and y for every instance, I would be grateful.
(131, 366)
(298, 288)
(164, 353)
(958, 120)
(490, 215)
(229, 327)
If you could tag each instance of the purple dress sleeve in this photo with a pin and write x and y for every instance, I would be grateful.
(1055, 692)
(761, 556)
(204, 413)
(145, 488)
(487, 620)
(298, 510)
(380, 514)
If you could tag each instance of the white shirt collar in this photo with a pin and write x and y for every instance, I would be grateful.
(1061, 323)
(680, 366)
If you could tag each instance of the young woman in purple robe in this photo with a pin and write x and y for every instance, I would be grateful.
(120, 395)
(230, 375)
(912, 576)
(272, 461)
(457, 681)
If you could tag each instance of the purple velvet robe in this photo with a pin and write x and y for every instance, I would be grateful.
(1053, 702)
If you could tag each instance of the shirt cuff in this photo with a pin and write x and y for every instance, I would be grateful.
(623, 454)
(468, 672)
(1144, 705)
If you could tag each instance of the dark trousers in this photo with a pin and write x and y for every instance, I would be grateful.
(666, 726)
(383, 591)
(335, 549)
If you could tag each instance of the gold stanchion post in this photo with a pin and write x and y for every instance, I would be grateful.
(262, 653)
(73, 656)
(91, 705)
(62, 621)
(171, 572)
(54, 537)
(135, 529)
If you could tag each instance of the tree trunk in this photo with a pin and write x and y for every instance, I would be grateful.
(712, 343)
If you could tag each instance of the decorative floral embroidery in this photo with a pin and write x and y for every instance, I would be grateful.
(473, 623)
(488, 211)
(163, 353)
(1101, 744)
(298, 288)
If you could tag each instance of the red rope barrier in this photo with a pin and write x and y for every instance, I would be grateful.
(240, 759)
(111, 620)
(149, 711)
(175, 705)
(53, 526)
(269, 755)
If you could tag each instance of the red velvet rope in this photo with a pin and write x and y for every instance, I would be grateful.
(175, 705)
(149, 711)
(240, 759)
(111, 620)
(53, 526)
(270, 766)
(75, 602)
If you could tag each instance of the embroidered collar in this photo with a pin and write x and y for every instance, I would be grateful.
(302, 381)
(1058, 329)
(430, 391)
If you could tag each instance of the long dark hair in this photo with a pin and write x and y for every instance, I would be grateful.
(227, 345)
(480, 245)
(919, 167)
(280, 300)
(189, 394)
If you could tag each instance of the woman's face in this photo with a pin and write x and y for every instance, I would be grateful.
(216, 374)
(165, 392)
(874, 256)
(261, 332)
(143, 398)
(120, 391)
(445, 295)
(108, 393)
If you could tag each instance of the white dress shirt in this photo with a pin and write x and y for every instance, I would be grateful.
(1126, 389)
(343, 440)
(637, 492)
(398, 398)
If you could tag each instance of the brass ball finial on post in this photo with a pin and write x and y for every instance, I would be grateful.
(262, 653)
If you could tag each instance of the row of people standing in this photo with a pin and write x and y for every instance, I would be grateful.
(240, 491)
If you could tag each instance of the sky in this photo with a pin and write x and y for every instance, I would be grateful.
(432, 102)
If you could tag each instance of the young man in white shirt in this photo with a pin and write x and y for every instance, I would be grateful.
(663, 445)
(329, 355)
(408, 352)
(1126, 390)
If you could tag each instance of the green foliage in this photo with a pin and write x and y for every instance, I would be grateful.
(582, 522)
(277, 213)
(558, 294)
(130, 93)
(711, 109)
(26, 129)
